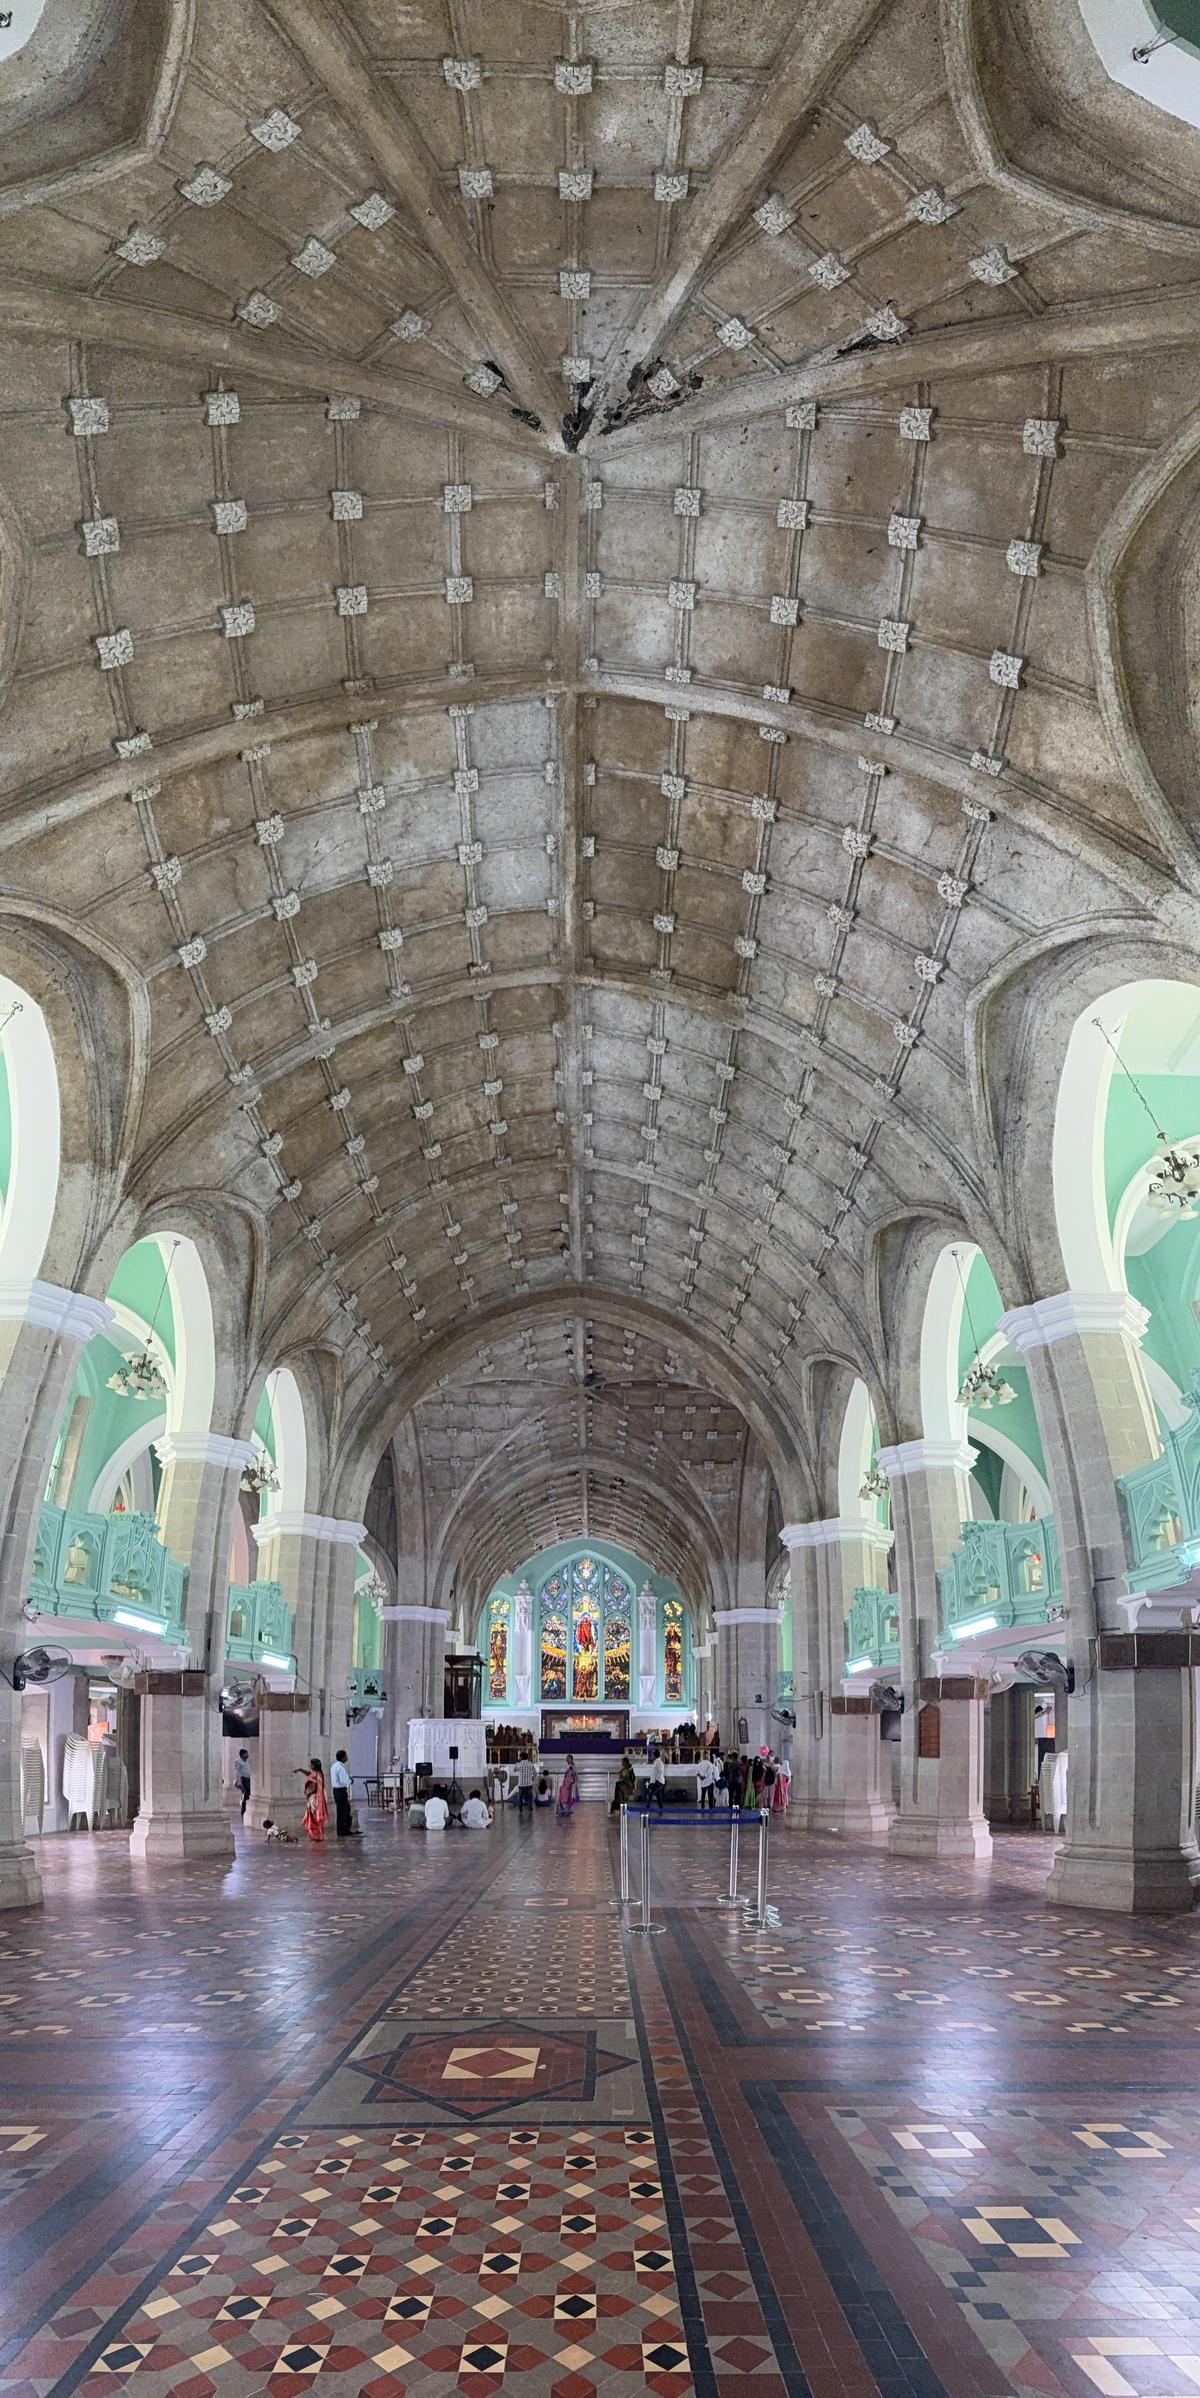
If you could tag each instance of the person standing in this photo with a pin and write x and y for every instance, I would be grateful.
(241, 1776)
(656, 1785)
(568, 1789)
(706, 1783)
(525, 1782)
(316, 1805)
(734, 1771)
(625, 1791)
(339, 1780)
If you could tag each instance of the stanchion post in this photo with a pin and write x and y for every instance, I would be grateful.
(624, 1854)
(762, 1869)
(646, 1871)
(731, 1896)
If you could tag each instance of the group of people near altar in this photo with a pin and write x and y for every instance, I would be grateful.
(736, 1779)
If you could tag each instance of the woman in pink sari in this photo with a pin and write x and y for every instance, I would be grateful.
(783, 1786)
(568, 1790)
(316, 1805)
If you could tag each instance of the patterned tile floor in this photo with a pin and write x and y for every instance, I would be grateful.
(429, 2117)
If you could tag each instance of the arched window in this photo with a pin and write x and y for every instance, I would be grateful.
(592, 1643)
(497, 1655)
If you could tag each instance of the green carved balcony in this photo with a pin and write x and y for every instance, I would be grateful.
(367, 1686)
(785, 1686)
(1006, 1572)
(873, 1630)
(260, 1628)
(1162, 1507)
(107, 1569)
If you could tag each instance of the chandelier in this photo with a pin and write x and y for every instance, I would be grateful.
(137, 1376)
(259, 1475)
(875, 1484)
(375, 1590)
(981, 1386)
(1174, 1187)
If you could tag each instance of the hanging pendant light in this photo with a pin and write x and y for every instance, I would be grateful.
(374, 1589)
(137, 1376)
(982, 1386)
(875, 1484)
(1174, 1187)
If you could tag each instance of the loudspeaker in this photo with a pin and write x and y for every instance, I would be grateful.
(423, 1769)
(453, 1756)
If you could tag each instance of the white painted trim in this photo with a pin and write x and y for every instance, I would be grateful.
(338, 1530)
(414, 1615)
(71, 1314)
(36, 1161)
(1170, 80)
(926, 1457)
(1071, 1315)
(865, 1530)
(204, 1448)
(109, 1478)
(746, 1615)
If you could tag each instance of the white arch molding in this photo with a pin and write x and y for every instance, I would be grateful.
(29, 1202)
(855, 1451)
(291, 1447)
(193, 1390)
(942, 1417)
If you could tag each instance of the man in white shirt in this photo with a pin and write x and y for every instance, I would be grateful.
(476, 1815)
(656, 1784)
(437, 1813)
(339, 1783)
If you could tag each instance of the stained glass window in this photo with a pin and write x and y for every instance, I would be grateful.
(585, 1679)
(616, 1657)
(554, 1654)
(672, 1653)
(498, 1651)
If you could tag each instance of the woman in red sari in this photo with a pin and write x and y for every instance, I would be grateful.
(316, 1805)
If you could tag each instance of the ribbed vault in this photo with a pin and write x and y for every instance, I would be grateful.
(549, 642)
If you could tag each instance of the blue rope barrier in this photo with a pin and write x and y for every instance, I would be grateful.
(710, 1815)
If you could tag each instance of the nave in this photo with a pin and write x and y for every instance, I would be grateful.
(428, 2115)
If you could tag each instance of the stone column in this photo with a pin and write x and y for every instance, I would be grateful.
(748, 1665)
(43, 1328)
(289, 1553)
(942, 1741)
(181, 1814)
(810, 1701)
(522, 1634)
(416, 1650)
(338, 1542)
(647, 1648)
(1130, 1841)
(845, 1790)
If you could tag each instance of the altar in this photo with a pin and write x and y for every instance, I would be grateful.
(589, 1729)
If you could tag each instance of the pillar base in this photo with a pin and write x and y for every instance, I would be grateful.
(20, 1881)
(862, 1819)
(1123, 1881)
(935, 1836)
(199, 1837)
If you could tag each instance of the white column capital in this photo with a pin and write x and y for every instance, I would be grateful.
(72, 1315)
(926, 1457)
(867, 1531)
(414, 1615)
(746, 1615)
(1071, 1315)
(301, 1526)
(204, 1448)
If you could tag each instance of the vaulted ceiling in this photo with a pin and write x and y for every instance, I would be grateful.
(545, 557)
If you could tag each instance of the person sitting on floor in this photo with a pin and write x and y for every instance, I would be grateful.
(437, 1812)
(543, 1796)
(416, 1816)
(476, 1814)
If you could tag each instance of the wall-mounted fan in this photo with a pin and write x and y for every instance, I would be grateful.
(887, 1697)
(1045, 1665)
(33, 1667)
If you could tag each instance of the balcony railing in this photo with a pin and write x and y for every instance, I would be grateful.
(367, 1686)
(1009, 1572)
(101, 1567)
(873, 1628)
(1162, 1506)
(259, 1625)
